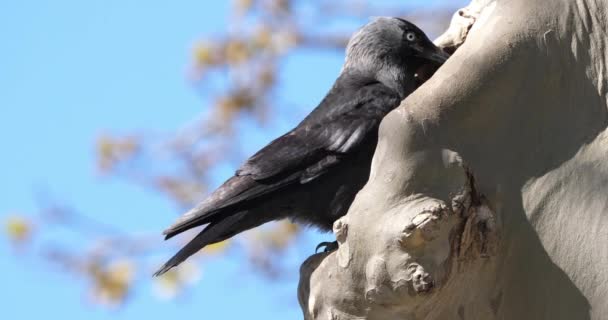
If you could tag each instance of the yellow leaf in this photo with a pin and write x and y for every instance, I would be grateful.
(18, 229)
(204, 54)
(262, 38)
(216, 247)
(236, 51)
(280, 236)
(112, 284)
(169, 284)
(111, 150)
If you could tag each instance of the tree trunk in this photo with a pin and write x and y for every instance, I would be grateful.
(488, 197)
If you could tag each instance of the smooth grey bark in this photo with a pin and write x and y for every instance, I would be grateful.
(488, 197)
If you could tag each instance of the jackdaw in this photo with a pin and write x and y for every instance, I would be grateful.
(312, 173)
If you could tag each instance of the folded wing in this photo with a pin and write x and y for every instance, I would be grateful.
(325, 138)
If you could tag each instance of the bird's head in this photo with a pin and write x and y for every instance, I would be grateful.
(391, 48)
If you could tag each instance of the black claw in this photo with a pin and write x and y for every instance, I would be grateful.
(329, 246)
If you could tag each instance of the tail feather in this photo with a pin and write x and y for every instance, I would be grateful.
(214, 232)
(222, 202)
(192, 219)
(237, 193)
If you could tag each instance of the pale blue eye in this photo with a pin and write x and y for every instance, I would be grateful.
(410, 36)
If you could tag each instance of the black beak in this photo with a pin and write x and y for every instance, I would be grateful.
(433, 54)
(438, 56)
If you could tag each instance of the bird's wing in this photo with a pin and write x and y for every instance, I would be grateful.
(333, 130)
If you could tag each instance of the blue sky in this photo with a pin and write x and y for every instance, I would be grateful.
(70, 70)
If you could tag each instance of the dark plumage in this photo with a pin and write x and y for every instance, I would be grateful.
(313, 172)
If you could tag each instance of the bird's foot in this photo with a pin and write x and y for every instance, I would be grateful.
(328, 246)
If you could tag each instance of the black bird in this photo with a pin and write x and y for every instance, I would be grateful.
(312, 173)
